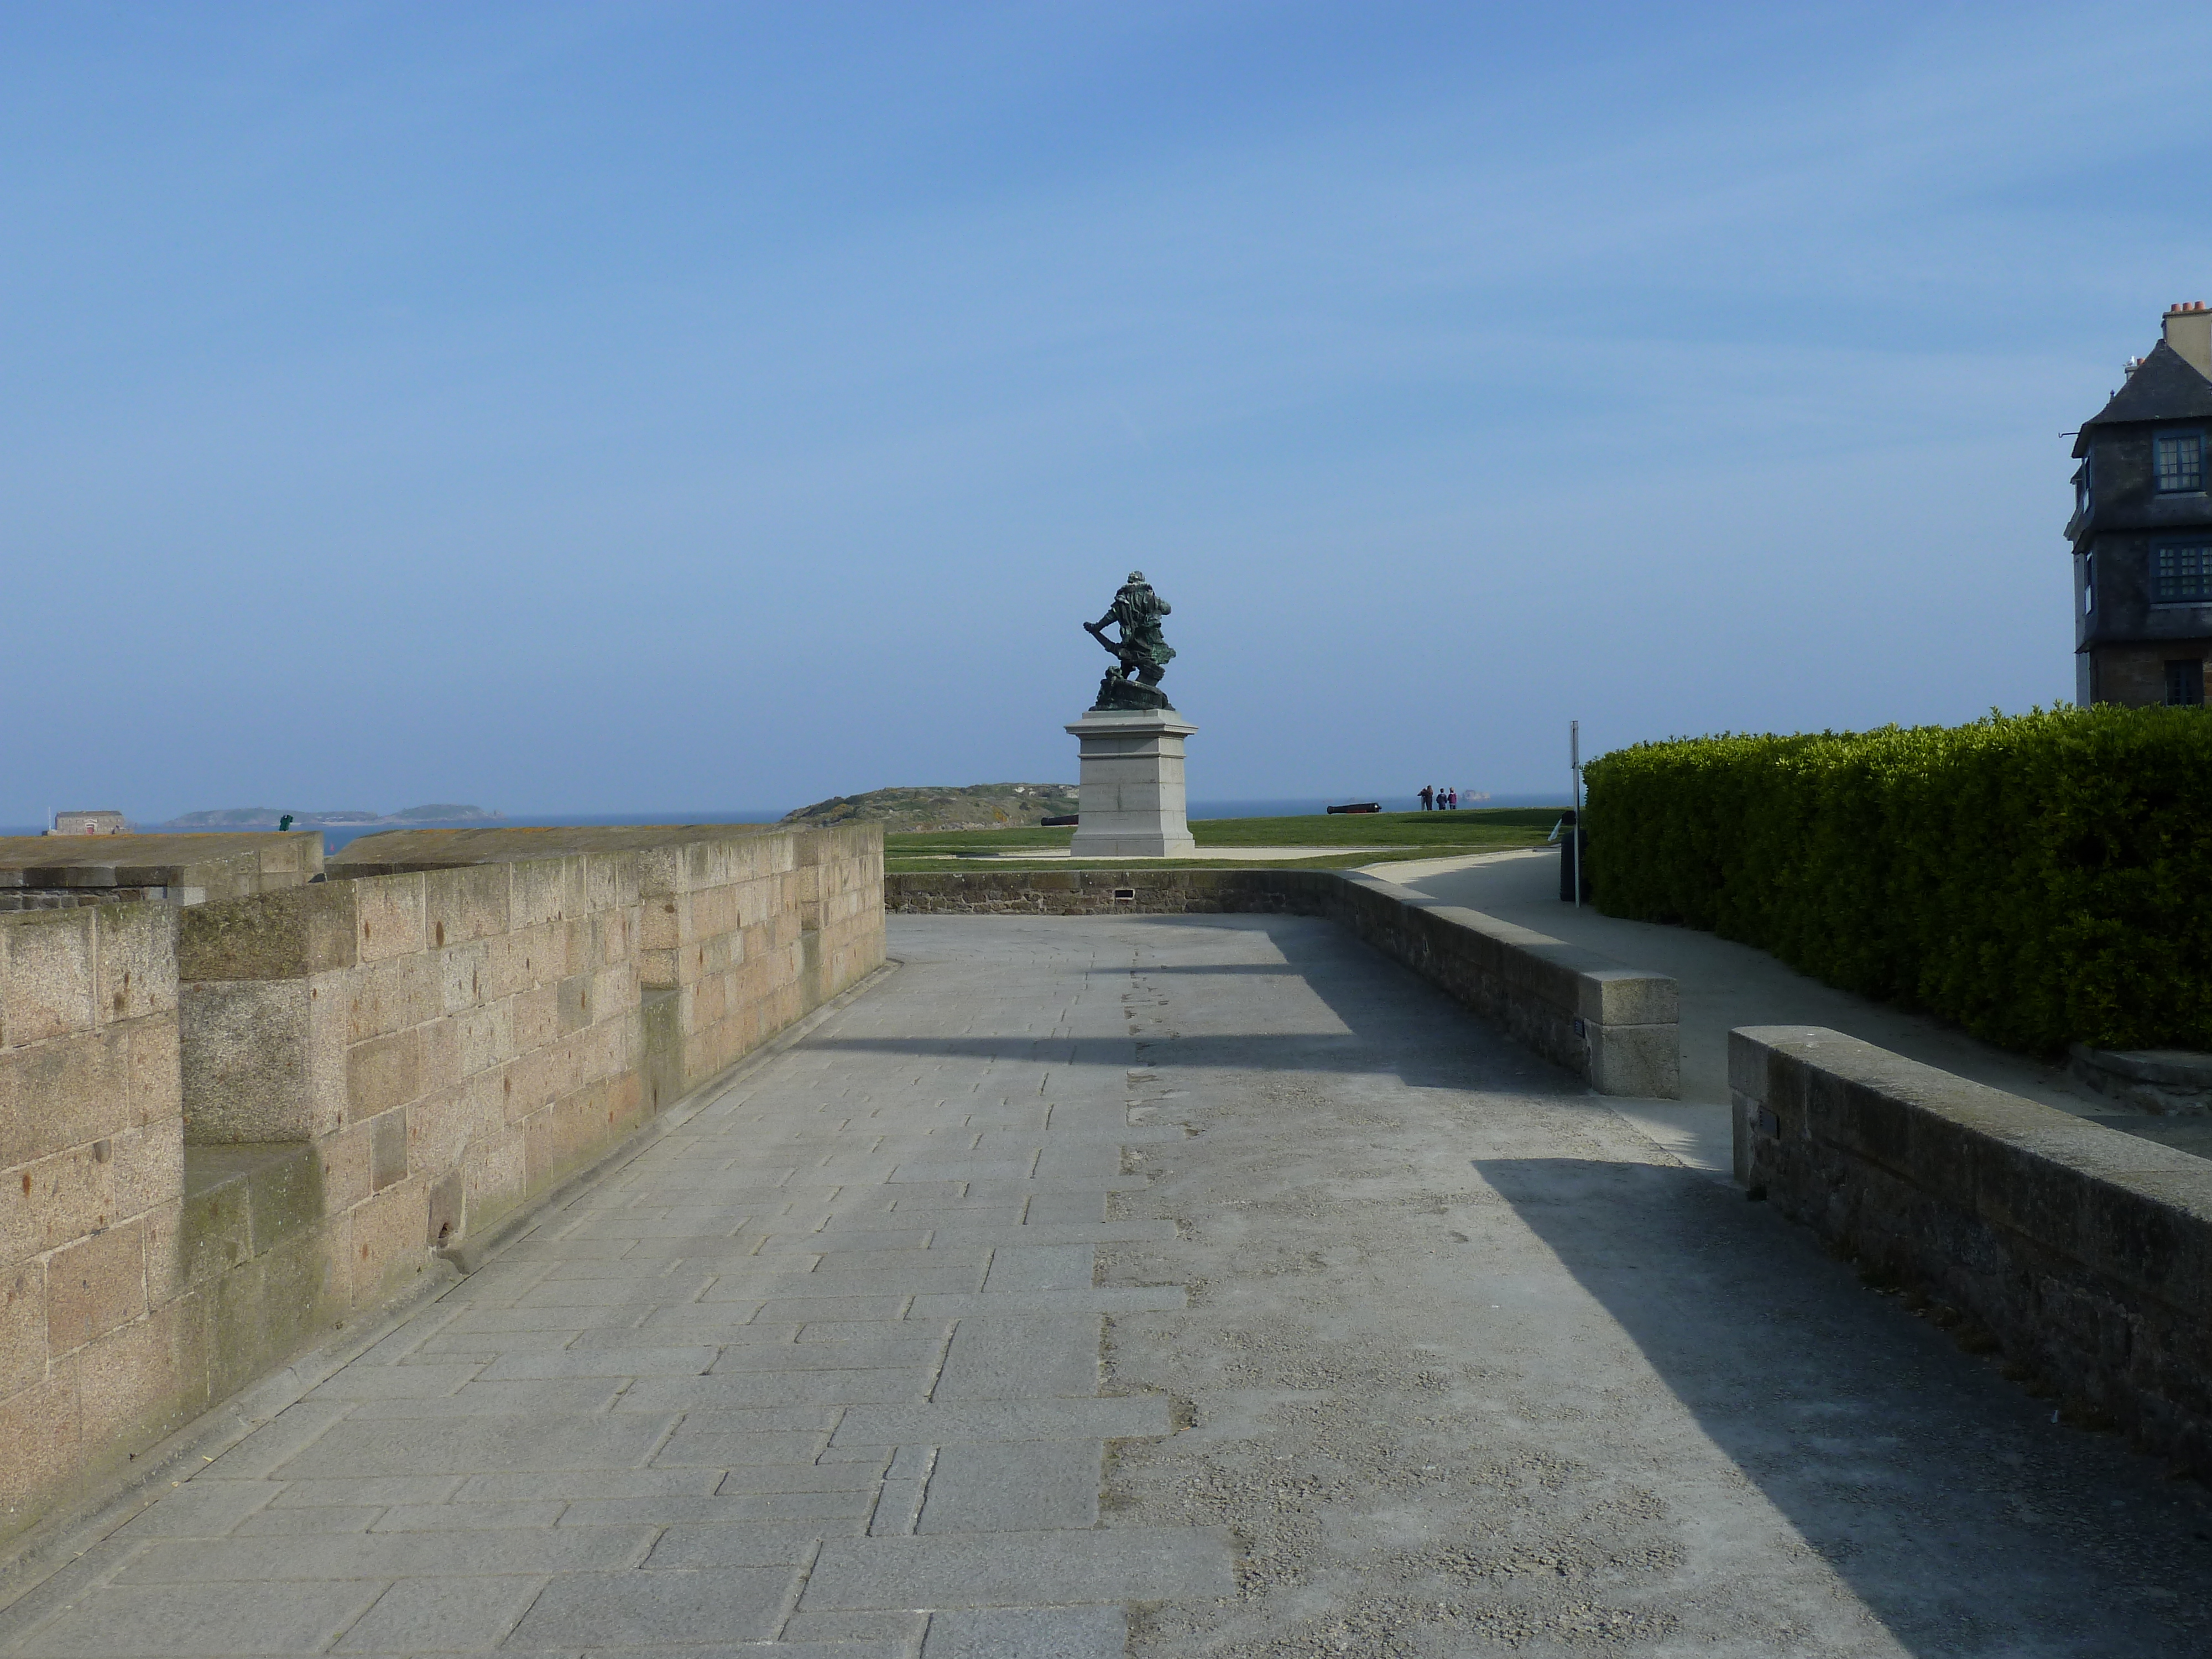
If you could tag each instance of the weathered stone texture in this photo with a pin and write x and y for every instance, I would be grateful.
(748, 929)
(64, 872)
(365, 1069)
(2084, 1253)
(91, 1176)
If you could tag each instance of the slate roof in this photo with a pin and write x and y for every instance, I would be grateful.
(2164, 388)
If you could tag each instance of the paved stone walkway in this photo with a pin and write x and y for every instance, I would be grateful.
(1725, 985)
(1203, 1285)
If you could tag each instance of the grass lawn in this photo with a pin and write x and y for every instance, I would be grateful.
(1405, 834)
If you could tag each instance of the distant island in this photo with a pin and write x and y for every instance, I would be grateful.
(976, 806)
(268, 817)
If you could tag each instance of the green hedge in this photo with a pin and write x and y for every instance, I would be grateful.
(2040, 879)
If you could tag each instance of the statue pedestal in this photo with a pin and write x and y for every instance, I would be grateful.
(1132, 804)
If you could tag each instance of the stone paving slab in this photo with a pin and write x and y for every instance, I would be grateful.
(1028, 1633)
(817, 1370)
(706, 1405)
(1116, 1564)
(209, 1619)
(1196, 1287)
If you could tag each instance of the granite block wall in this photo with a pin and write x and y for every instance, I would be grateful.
(481, 1022)
(225, 1127)
(745, 929)
(41, 872)
(2082, 1254)
(95, 1346)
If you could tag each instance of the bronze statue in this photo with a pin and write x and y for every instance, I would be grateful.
(1141, 654)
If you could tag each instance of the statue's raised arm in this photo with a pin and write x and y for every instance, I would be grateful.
(1141, 654)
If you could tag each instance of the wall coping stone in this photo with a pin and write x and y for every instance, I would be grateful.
(217, 861)
(2085, 1252)
(391, 852)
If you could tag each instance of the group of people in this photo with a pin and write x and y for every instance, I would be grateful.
(1436, 799)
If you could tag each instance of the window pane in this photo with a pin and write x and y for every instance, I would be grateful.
(2181, 574)
(2180, 457)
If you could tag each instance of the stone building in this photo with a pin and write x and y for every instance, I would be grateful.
(2142, 527)
(89, 823)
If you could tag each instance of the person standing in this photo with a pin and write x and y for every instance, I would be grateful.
(1428, 798)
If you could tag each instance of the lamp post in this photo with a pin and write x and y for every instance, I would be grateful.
(1575, 770)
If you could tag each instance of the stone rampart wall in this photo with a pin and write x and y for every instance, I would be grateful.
(224, 1127)
(45, 872)
(741, 933)
(96, 1324)
(842, 894)
(450, 1041)
(2082, 1254)
(750, 934)
(1616, 1027)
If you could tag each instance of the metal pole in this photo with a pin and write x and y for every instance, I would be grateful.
(1575, 767)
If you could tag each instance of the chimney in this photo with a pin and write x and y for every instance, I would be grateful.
(2189, 331)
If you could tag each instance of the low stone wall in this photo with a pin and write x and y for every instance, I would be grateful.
(744, 932)
(751, 934)
(46, 872)
(452, 1042)
(1616, 1027)
(2083, 1254)
(988, 892)
(224, 1127)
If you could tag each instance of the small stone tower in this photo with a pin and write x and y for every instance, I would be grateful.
(2142, 527)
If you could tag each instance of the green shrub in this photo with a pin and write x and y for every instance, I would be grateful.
(2039, 878)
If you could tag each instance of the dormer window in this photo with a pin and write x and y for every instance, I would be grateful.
(2180, 461)
(2181, 574)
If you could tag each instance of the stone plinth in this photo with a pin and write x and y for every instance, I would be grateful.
(1131, 802)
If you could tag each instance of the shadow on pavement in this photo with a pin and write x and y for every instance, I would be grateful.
(1942, 1495)
(1372, 1016)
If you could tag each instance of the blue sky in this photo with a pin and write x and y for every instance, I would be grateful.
(581, 408)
